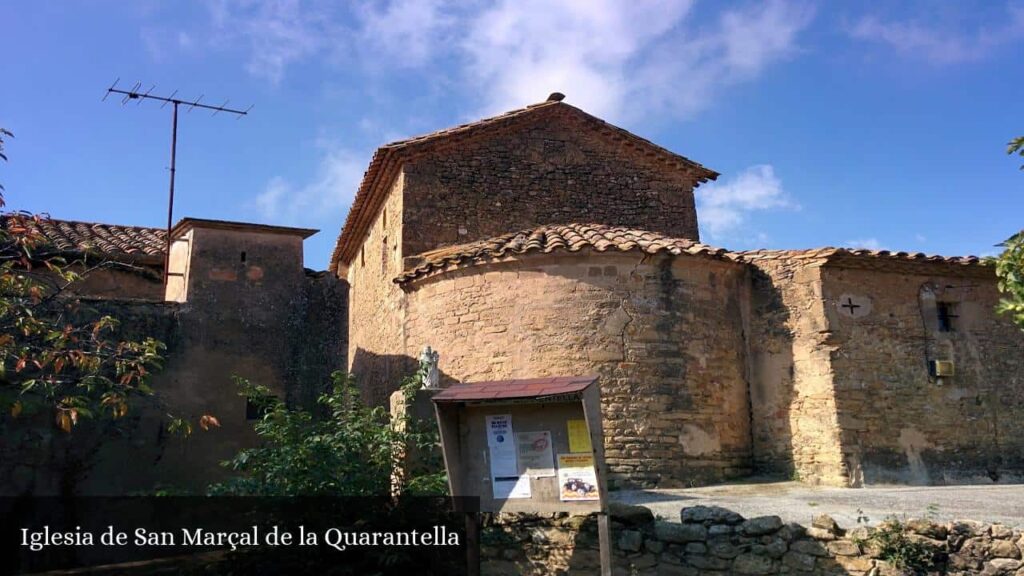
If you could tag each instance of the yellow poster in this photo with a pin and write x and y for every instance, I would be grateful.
(579, 437)
(576, 478)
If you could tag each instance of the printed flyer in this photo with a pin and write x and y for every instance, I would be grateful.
(536, 459)
(576, 478)
(506, 482)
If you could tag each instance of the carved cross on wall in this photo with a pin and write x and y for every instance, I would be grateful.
(850, 306)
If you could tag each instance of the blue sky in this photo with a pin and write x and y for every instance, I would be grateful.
(859, 124)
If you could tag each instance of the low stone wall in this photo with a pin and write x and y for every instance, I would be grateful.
(714, 540)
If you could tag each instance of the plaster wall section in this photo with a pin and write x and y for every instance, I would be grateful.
(901, 424)
(376, 311)
(553, 170)
(793, 414)
(663, 333)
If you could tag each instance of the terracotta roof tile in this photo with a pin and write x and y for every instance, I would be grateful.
(834, 254)
(388, 158)
(107, 239)
(514, 389)
(568, 237)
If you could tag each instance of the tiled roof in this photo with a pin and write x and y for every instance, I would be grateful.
(387, 159)
(110, 240)
(552, 237)
(515, 389)
(831, 254)
(881, 260)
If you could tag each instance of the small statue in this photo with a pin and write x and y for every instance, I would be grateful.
(428, 363)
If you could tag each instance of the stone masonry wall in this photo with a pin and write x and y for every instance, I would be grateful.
(664, 334)
(555, 170)
(706, 540)
(375, 305)
(260, 317)
(794, 412)
(899, 423)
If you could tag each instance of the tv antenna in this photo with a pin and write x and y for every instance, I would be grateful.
(136, 93)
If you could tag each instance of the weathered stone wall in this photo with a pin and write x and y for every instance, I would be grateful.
(793, 414)
(261, 318)
(714, 540)
(553, 170)
(375, 305)
(899, 424)
(37, 458)
(120, 281)
(664, 333)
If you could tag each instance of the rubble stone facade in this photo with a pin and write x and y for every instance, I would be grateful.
(553, 169)
(663, 332)
(545, 242)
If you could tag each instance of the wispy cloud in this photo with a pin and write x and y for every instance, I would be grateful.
(616, 59)
(408, 32)
(276, 33)
(941, 43)
(619, 60)
(326, 197)
(725, 208)
(867, 243)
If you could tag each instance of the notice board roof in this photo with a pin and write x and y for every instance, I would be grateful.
(515, 389)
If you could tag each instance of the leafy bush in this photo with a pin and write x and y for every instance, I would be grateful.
(899, 549)
(1010, 272)
(349, 450)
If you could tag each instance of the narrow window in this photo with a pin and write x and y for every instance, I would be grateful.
(362, 256)
(385, 218)
(255, 410)
(384, 256)
(243, 255)
(947, 316)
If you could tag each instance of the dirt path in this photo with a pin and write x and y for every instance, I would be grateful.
(796, 502)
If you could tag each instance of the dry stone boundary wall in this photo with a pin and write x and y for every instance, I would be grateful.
(714, 540)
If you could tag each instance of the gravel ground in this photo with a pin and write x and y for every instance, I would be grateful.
(796, 502)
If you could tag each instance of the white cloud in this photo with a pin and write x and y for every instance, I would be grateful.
(724, 208)
(275, 33)
(939, 43)
(616, 59)
(325, 198)
(410, 32)
(866, 243)
(622, 60)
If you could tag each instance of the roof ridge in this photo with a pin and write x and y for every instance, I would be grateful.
(827, 252)
(570, 237)
(46, 217)
(111, 240)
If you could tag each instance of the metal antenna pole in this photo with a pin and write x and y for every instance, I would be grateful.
(136, 94)
(170, 196)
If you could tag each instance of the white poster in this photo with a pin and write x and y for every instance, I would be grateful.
(533, 450)
(510, 487)
(502, 446)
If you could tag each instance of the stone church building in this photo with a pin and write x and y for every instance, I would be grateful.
(547, 242)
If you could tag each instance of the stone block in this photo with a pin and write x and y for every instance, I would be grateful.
(761, 525)
(713, 514)
(629, 514)
(679, 533)
(752, 564)
(630, 540)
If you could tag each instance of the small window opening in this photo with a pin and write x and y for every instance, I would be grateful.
(362, 256)
(256, 410)
(385, 217)
(243, 255)
(947, 316)
(384, 256)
